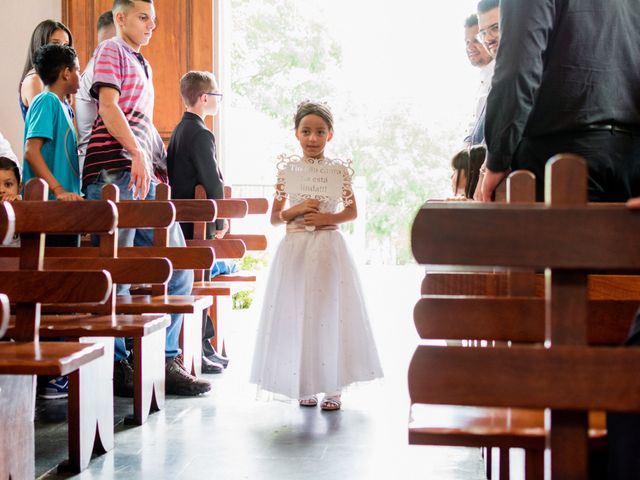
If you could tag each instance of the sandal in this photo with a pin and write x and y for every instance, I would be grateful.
(310, 401)
(332, 403)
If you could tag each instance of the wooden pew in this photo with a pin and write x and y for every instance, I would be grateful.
(26, 357)
(571, 308)
(157, 215)
(222, 287)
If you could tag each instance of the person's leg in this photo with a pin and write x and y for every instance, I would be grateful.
(180, 283)
(623, 431)
(178, 381)
(123, 372)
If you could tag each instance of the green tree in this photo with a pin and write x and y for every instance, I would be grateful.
(279, 56)
(403, 166)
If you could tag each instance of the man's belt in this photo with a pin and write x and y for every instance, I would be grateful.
(614, 128)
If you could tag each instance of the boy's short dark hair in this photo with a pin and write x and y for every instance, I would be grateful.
(194, 84)
(50, 60)
(8, 164)
(471, 21)
(105, 20)
(485, 5)
(124, 5)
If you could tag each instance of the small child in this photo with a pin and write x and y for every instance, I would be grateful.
(191, 161)
(191, 156)
(466, 171)
(314, 334)
(50, 143)
(10, 185)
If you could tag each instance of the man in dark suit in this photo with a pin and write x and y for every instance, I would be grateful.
(566, 81)
(191, 160)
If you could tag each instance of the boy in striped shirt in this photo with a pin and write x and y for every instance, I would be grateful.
(120, 152)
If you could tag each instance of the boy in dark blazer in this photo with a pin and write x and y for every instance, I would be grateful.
(191, 160)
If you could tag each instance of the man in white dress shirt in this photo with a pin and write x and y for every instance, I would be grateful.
(478, 57)
(86, 105)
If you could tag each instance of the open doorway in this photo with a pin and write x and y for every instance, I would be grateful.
(396, 77)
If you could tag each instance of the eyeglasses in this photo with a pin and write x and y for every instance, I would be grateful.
(492, 29)
(215, 94)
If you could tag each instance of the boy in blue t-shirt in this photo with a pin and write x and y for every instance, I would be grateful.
(50, 142)
(51, 148)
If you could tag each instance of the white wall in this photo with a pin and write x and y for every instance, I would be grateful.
(17, 21)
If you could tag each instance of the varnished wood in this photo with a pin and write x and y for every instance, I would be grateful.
(251, 242)
(180, 258)
(566, 295)
(521, 189)
(90, 409)
(560, 377)
(56, 287)
(46, 358)
(145, 214)
(231, 279)
(224, 248)
(465, 283)
(76, 326)
(17, 393)
(489, 427)
(514, 319)
(7, 222)
(149, 379)
(4, 314)
(600, 287)
(591, 237)
(75, 218)
(231, 208)
(195, 210)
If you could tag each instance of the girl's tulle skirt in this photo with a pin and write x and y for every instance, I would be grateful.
(314, 334)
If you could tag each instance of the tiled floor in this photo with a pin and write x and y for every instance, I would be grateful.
(231, 434)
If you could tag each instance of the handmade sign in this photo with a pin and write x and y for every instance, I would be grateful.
(319, 178)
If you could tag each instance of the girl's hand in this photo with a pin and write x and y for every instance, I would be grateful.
(316, 219)
(308, 206)
(68, 197)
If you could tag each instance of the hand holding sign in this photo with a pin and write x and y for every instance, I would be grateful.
(314, 179)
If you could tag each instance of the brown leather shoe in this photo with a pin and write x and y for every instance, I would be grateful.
(179, 382)
(123, 379)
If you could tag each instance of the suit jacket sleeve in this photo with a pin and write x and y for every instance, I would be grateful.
(525, 26)
(205, 163)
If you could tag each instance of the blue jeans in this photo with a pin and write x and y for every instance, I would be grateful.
(180, 283)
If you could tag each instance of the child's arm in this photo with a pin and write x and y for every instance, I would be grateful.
(33, 155)
(279, 215)
(119, 128)
(318, 219)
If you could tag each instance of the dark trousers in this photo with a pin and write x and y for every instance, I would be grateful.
(613, 159)
(623, 431)
(207, 334)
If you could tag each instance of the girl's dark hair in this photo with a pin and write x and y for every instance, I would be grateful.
(313, 108)
(6, 164)
(469, 161)
(41, 36)
(477, 156)
(50, 60)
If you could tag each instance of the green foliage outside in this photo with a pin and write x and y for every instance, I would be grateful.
(280, 57)
(250, 262)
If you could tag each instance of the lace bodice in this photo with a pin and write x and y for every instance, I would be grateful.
(326, 206)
